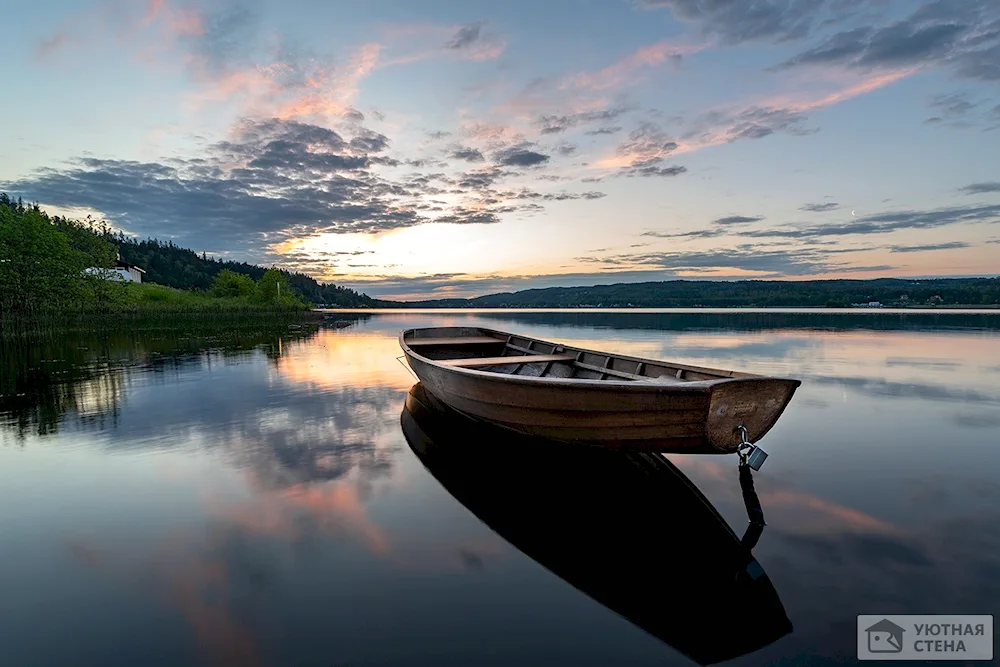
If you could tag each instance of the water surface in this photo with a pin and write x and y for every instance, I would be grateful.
(251, 500)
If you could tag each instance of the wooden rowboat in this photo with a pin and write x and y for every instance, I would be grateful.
(571, 394)
(628, 529)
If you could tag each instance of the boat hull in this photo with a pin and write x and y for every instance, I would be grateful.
(694, 417)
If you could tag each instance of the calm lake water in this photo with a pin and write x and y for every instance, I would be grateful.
(250, 499)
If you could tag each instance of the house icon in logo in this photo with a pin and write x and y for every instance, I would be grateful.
(885, 637)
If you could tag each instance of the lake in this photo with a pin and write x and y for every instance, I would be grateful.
(250, 498)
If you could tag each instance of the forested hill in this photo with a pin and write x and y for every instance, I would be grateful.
(743, 293)
(171, 265)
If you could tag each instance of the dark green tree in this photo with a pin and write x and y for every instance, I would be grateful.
(275, 289)
(228, 283)
(38, 268)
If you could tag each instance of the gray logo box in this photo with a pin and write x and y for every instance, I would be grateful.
(925, 637)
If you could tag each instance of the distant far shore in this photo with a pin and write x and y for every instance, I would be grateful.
(817, 309)
(908, 293)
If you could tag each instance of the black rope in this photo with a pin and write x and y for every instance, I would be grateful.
(754, 512)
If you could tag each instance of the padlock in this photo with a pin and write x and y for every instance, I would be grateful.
(755, 459)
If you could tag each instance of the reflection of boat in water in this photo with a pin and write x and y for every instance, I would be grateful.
(572, 394)
(626, 528)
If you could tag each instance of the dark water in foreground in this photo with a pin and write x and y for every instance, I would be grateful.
(252, 500)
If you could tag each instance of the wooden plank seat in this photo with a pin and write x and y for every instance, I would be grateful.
(498, 361)
(467, 340)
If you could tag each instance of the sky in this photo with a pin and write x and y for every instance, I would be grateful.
(436, 149)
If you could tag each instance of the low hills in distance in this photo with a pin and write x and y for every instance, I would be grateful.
(888, 292)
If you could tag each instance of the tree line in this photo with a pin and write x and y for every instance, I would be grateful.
(744, 293)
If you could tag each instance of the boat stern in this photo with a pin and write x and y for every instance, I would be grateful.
(754, 403)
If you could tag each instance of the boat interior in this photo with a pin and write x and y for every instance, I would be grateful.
(502, 353)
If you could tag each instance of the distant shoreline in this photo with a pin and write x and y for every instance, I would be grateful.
(685, 309)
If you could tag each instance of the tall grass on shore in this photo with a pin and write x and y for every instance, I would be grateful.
(148, 307)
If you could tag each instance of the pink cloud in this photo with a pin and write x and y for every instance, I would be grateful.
(759, 118)
(587, 93)
(161, 21)
(330, 92)
(625, 70)
(410, 43)
(490, 132)
(289, 90)
(179, 21)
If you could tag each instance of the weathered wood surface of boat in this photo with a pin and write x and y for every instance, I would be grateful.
(573, 394)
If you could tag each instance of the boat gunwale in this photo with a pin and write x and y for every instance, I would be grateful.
(685, 386)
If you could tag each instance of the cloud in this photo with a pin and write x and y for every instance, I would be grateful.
(960, 110)
(980, 188)
(649, 168)
(625, 71)
(52, 44)
(874, 224)
(747, 257)
(899, 44)
(311, 91)
(954, 104)
(150, 25)
(230, 59)
(604, 130)
(754, 122)
(887, 222)
(951, 245)
(494, 134)
(962, 36)
(420, 42)
(736, 22)
(737, 220)
(224, 40)
(553, 124)
(467, 154)
(277, 179)
(783, 114)
(647, 142)
(696, 234)
(820, 208)
(480, 178)
(274, 179)
(555, 104)
(465, 36)
(642, 152)
(474, 43)
(524, 193)
(519, 156)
